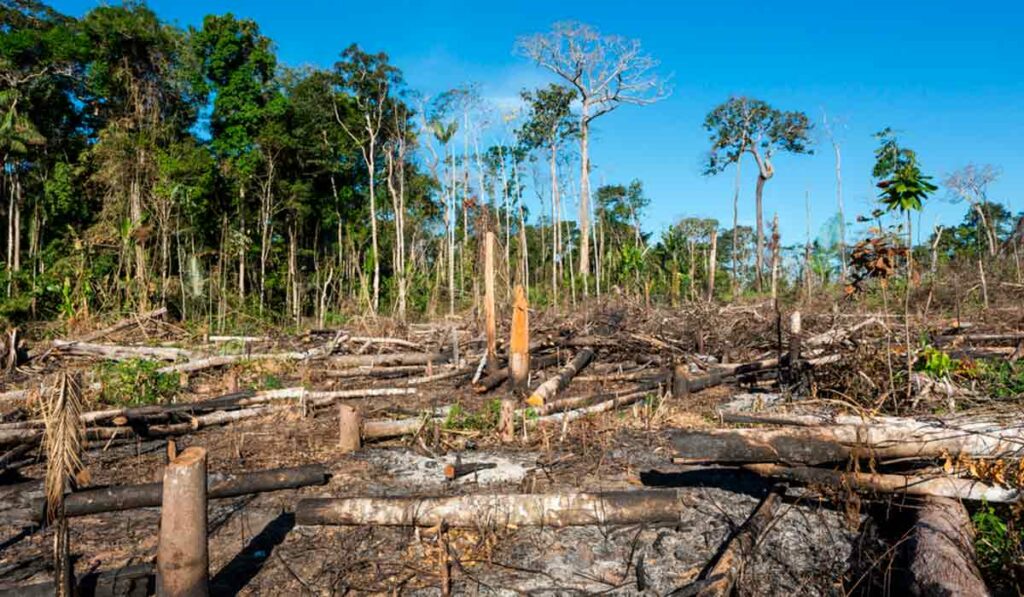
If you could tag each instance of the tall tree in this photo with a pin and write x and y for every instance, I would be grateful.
(745, 125)
(970, 184)
(607, 71)
(370, 80)
(549, 123)
(236, 66)
(139, 103)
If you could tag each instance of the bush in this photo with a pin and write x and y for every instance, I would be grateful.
(135, 382)
(483, 420)
(998, 542)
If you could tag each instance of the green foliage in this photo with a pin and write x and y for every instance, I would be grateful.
(135, 382)
(904, 186)
(936, 363)
(999, 378)
(269, 381)
(549, 120)
(998, 542)
(747, 125)
(485, 419)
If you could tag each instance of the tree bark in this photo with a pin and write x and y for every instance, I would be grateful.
(149, 495)
(739, 549)
(550, 388)
(839, 443)
(497, 511)
(182, 554)
(519, 342)
(942, 551)
(490, 317)
(584, 197)
(950, 487)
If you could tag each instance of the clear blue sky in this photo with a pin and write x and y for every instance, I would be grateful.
(948, 75)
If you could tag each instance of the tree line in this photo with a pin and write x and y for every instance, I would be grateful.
(144, 163)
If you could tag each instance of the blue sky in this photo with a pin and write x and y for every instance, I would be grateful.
(947, 75)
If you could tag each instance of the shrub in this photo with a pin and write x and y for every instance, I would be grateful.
(135, 382)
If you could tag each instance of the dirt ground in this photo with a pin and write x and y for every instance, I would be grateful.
(815, 547)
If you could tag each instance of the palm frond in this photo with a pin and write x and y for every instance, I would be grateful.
(62, 409)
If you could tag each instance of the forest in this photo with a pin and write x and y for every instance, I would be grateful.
(403, 343)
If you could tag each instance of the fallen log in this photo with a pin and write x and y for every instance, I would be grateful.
(461, 469)
(321, 397)
(351, 360)
(820, 445)
(941, 550)
(244, 339)
(571, 409)
(127, 322)
(415, 381)
(486, 384)
(120, 353)
(497, 511)
(138, 579)
(739, 549)
(380, 340)
(149, 495)
(377, 372)
(942, 486)
(550, 388)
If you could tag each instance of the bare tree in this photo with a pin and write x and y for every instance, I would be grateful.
(607, 71)
(970, 184)
(830, 130)
(369, 79)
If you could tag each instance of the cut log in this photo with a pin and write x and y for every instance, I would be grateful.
(600, 407)
(497, 511)
(820, 445)
(321, 398)
(550, 388)
(243, 339)
(941, 550)
(183, 559)
(519, 342)
(120, 582)
(120, 353)
(461, 469)
(507, 421)
(377, 372)
(941, 486)
(349, 424)
(415, 381)
(220, 486)
(352, 360)
(739, 549)
(380, 340)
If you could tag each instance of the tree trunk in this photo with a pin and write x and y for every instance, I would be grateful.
(148, 495)
(555, 224)
(490, 318)
(497, 510)
(739, 549)
(942, 551)
(759, 257)
(842, 214)
(712, 264)
(943, 486)
(584, 269)
(838, 443)
(183, 554)
(519, 342)
(550, 388)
